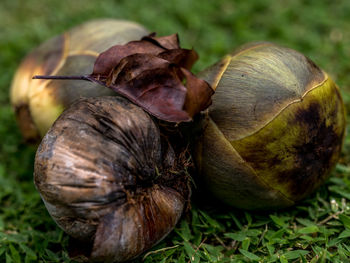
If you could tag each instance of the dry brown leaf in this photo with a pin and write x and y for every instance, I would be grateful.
(153, 73)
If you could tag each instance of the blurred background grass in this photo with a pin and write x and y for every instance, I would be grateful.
(318, 28)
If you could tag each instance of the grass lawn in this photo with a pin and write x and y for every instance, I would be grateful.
(316, 230)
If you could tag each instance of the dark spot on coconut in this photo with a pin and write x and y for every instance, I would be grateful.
(310, 117)
(312, 153)
(26, 124)
(301, 165)
(79, 250)
(312, 161)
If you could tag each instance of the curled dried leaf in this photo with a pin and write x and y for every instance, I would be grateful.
(151, 73)
(109, 59)
(166, 42)
(157, 87)
(154, 73)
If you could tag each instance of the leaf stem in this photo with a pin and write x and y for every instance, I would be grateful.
(62, 77)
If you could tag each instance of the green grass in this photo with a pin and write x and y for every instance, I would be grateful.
(316, 230)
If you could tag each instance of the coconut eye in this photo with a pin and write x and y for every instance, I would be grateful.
(108, 178)
(275, 128)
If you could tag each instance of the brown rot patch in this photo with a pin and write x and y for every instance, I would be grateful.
(295, 153)
(26, 124)
(309, 117)
(313, 152)
(79, 250)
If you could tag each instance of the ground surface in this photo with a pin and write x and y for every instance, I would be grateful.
(316, 230)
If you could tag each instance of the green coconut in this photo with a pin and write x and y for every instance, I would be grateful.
(275, 129)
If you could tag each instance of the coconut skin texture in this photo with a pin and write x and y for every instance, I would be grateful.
(274, 131)
(109, 179)
(38, 103)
